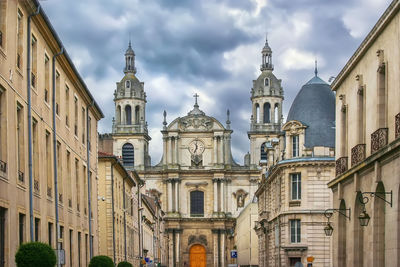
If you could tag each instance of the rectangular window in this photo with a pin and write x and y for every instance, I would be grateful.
(20, 34)
(79, 249)
(58, 93)
(21, 221)
(3, 7)
(197, 203)
(35, 154)
(71, 236)
(69, 184)
(295, 146)
(296, 186)
(33, 61)
(62, 237)
(49, 175)
(59, 173)
(83, 125)
(76, 116)
(295, 232)
(77, 182)
(20, 143)
(37, 229)
(86, 250)
(66, 105)
(3, 229)
(46, 79)
(50, 234)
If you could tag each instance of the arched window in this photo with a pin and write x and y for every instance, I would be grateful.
(276, 113)
(197, 203)
(118, 115)
(128, 155)
(137, 114)
(266, 82)
(127, 84)
(267, 112)
(128, 114)
(358, 234)
(257, 110)
(263, 152)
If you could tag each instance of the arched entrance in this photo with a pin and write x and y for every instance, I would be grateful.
(197, 256)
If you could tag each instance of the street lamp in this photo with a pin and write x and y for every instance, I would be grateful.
(328, 229)
(364, 218)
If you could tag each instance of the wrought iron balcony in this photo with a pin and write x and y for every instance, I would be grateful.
(60, 197)
(341, 165)
(3, 166)
(379, 139)
(33, 79)
(357, 154)
(70, 203)
(36, 186)
(21, 176)
(397, 125)
(78, 208)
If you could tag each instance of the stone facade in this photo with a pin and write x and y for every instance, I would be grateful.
(368, 149)
(73, 151)
(118, 211)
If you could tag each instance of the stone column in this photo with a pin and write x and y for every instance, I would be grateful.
(176, 150)
(170, 249)
(215, 182)
(215, 150)
(215, 247)
(220, 150)
(169, 150)
(222, 195)
(165, 150)
(227, 149)
(229, 196)
(223, 248)
(169, 193)
(178, 246)
(177, 195)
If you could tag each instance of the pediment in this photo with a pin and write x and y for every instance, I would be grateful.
(294, 127)
(200, 123)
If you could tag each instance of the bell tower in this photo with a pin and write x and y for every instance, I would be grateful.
(266, 118)
(130, 134)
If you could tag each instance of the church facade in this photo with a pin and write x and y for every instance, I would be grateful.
(201, 188)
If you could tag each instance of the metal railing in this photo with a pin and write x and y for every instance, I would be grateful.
(357, 154)
(379, 139)
(3, 166)
(21, 177)
(341, 165)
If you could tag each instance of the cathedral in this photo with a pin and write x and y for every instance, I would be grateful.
(201, 188)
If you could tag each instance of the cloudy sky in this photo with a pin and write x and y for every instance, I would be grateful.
(212, 47)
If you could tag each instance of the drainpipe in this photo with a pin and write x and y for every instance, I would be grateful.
(124, 199)
(88, 144)
(140, 210)
(28, 81)
(112, 208)
(55, 153)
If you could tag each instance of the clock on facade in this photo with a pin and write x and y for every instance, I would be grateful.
(196, 147)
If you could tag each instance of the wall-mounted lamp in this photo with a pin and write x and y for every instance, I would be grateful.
(328, 214)
(363, 198)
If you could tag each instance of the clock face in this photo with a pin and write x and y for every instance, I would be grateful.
(196, 147)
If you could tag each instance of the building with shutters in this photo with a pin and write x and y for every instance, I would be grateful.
(48, 140)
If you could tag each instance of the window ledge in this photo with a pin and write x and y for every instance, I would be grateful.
(294, 203)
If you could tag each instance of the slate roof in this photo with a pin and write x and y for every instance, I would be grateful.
(314, 106)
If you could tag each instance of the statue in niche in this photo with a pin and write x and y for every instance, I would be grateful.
(240, 196)
(240, 201)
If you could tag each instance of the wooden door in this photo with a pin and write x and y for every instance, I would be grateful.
(197, 256)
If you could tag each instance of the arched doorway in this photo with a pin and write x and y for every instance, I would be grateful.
(198, 256)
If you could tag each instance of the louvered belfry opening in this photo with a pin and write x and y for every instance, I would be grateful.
(128, 155)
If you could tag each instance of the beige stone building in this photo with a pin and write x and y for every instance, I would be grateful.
(44, 143)
(118, 210)
(297, 161)
(368, 149)
(246, 239)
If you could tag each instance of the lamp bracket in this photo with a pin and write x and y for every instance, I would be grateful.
(364, 198)
(329, 212)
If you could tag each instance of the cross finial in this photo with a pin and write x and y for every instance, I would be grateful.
(316, 69)
(195, 97)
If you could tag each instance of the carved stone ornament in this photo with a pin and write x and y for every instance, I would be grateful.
(197, 159)
(196, 123)
(202, 239)
(294, 127)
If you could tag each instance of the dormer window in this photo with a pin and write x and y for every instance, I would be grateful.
(127, 84)
(295, 146)
(266, 82)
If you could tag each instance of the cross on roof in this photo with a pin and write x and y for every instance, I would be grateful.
(196, 96)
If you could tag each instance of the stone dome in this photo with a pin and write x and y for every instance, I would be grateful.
(314, 106)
